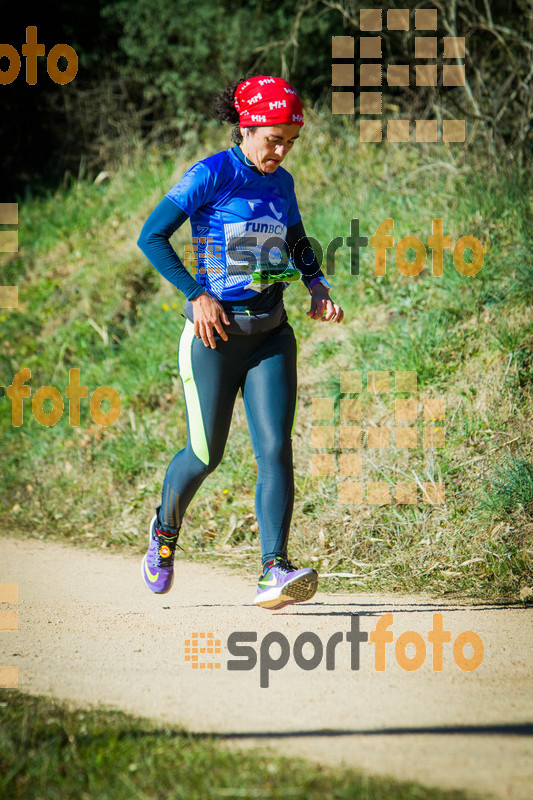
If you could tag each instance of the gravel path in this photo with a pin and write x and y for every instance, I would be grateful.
(91, 633)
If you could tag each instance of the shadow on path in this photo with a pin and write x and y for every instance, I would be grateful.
(503, 729)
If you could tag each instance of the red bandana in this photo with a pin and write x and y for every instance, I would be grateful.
(265, 100)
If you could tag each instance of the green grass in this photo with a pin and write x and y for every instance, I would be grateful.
(90, 300)
(510, 488)
(48, 752)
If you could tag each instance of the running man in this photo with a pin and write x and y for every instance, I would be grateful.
(245, 220)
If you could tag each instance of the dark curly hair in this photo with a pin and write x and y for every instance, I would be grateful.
(225, 109)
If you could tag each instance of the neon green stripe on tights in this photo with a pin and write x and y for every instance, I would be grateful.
(296, 404)
(196, 423)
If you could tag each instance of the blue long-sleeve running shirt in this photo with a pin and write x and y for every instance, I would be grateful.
(245, 215)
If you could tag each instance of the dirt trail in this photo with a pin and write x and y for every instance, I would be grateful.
(90, 632)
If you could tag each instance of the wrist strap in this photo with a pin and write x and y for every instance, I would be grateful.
(321, 279)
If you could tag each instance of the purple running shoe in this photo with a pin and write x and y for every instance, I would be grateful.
(158, 563)
(283, 584)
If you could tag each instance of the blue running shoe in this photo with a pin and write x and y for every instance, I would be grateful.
(283, 584)
(158, 563)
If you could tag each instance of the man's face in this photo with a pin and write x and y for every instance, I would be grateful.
(268, 146)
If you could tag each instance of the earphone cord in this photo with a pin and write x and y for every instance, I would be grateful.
(251, 162)
(301, 306)
(263, 174)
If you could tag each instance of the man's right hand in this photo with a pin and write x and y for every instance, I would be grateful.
(209, 316)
